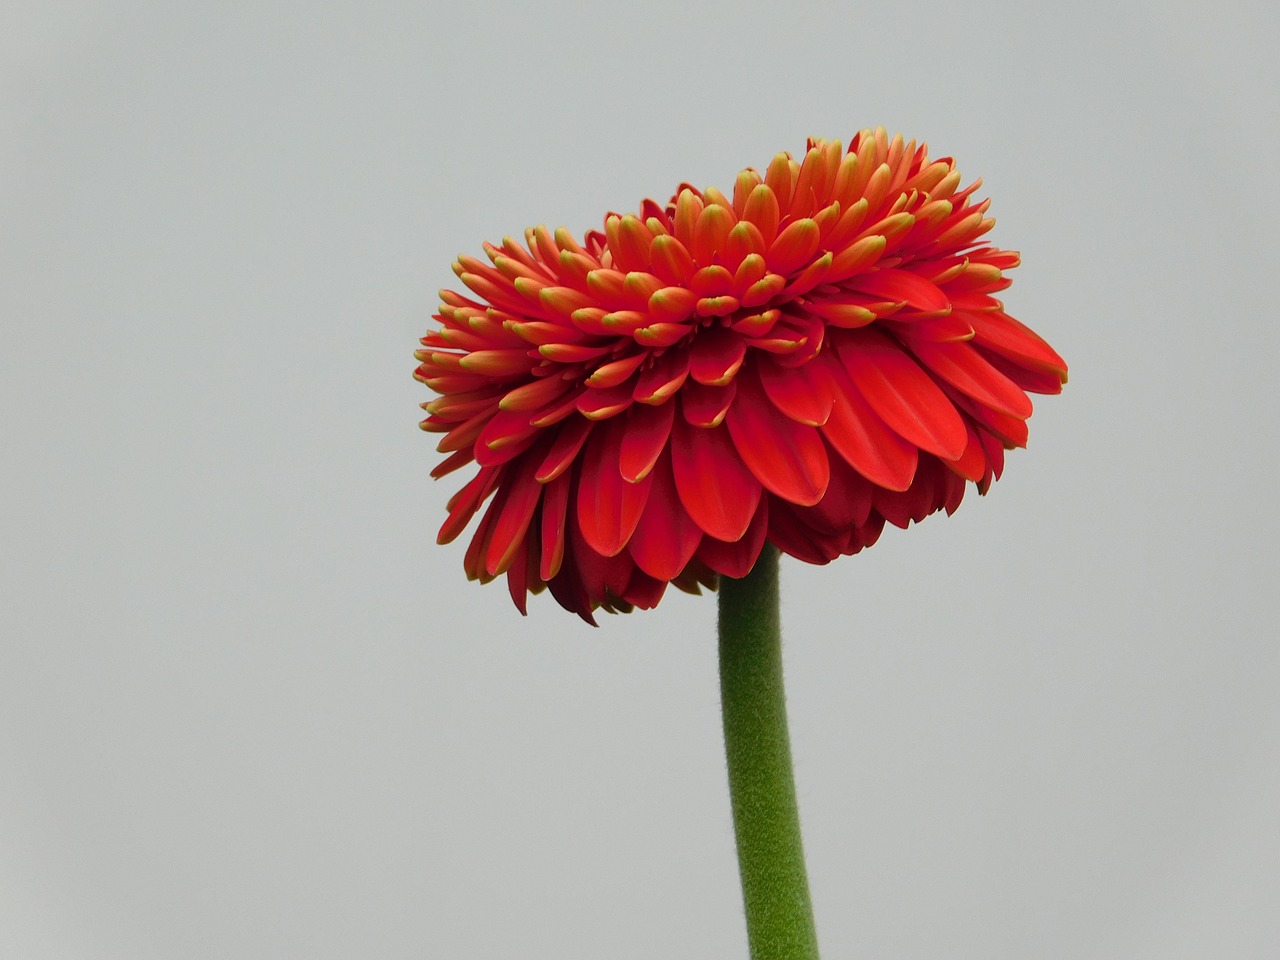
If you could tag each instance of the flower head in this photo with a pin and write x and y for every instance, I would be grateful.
(799, 363)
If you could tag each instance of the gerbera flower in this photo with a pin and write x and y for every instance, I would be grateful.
(799, 363)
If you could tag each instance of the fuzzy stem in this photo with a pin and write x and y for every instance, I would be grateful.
(775, 889)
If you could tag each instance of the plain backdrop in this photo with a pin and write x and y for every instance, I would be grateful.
(249, 709)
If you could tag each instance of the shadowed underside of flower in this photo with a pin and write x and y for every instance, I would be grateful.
(799, 363)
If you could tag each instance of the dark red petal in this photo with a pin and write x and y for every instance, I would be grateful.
(796, 538)
(904, 396)
(735, 559)
(666, 536)
(848, 499)
(961, 366)
(787, 457)
(644, 591)
(608, 506)
(518, 577)
(520, 501)
(861, 437)
(647, 432)
(716, 355)
(555, 504)
(569, 585)
(715, 486)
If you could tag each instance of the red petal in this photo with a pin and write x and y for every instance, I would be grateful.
(861, 437)
(1032, 381)
(666, 536)
(647, 432)
(569, 440)
(555, 503)
(1012, 431)
(904, 396)
(715, 486)
(796, 391)
(608, 506)
(787, 457)
(953, 326)
(611, 374)
(660, 381)
(464, 504)
(971, 465)
(706, 406)
(606, 402)
(1002, 333)
(505, 437)
(716, 355)
(904, 286)
(520, 498)
(736, 559)
(961, 366)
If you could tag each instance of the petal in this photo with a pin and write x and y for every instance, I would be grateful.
(555, 504)
(656, 384)
(464, 504)
(790, 534)
(564, 449)
(608, 506)
(794, 246)
(736, 558)
(862, 438)
(788, 458)
(521, 493)
(716, 355)
(1002, 333)
(902, 285)
(716, 488)
(796, 392)
(904, 396)
(848, 499)
(666, 536)
(705, 406)
(648, 429)
(963, 367)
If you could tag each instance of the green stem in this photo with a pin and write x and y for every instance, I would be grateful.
(775, 889)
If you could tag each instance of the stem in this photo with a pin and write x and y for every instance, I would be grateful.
(775, 888)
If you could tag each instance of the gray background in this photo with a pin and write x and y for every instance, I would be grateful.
(248, 709)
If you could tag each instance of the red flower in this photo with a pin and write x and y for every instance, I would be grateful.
(820, 353)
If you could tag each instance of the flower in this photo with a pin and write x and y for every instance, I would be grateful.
(800, 363)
